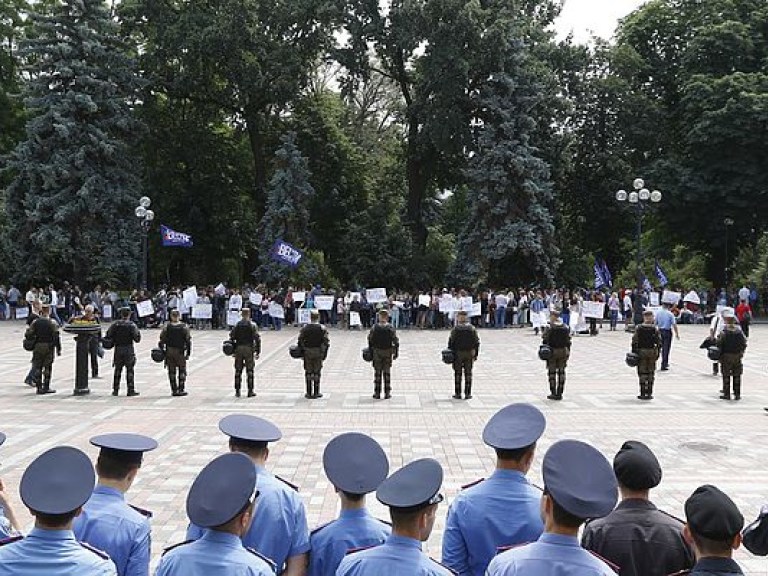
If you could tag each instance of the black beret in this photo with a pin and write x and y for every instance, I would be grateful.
(711, 514)
(636, 467)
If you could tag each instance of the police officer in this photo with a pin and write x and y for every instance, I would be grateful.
(314, 341)
(124, 333)
(220, 500)
(578, 484)
(503, 510)
(638, 537)
(176, 341)
(9, 525)
(732, 344)
(465, 344)
(245, 336)
(279, 528)
(713, 527)
(412, 494)
(646, 343)
(107, 521)
(558, 337)
(54, 488)
(45, 333)
(384, 345)
(355, 464)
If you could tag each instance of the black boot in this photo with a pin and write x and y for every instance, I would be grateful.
(308, 379)
(182, 383)
(251, 385)
(642, 389)
(377, 387)
(560, 384)
(129, 381)
(457, 390)
(238, 384)
(316, 386)
(467, 389)
(116, 384)
(552, 388)
(649, 390)
(737, 387)
(387, 386)
(726, 395)
(174, 386)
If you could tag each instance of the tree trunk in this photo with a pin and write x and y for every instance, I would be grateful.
(416, 169)
(255, 125)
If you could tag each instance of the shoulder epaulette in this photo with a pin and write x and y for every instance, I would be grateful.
(99, 553)
(318, 528)
(284, 481)
(359, 549)
(11, 539)
(610, 564)
(267, 560)
(500, 549)
(451, 570)
(145, 513)
(176, 546)
(475, 483)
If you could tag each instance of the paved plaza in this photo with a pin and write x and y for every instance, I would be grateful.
(697, 437)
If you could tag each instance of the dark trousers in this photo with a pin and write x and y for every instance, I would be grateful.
(666, 345)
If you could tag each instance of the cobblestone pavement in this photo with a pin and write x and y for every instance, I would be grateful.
(697, 437)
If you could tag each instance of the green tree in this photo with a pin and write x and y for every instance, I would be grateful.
(75, 179)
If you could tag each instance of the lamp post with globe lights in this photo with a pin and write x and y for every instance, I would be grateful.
(640, 198)
(145, 216)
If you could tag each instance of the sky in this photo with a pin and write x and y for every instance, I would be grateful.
(600, 17)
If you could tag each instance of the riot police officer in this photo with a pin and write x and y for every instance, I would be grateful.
(558, 337)
(124, 333)
(646, 343)
(176, 341)
(314, 341)
(245, 337)
(732, 344)
(384, 345)
(45, 334)
(465, 344)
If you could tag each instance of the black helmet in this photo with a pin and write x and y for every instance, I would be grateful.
(29, 344)
(713, 353)
(545, 352)
(448, 356)
(228, 347)
(296, 351)
(107, 343)
(158, 354)
(632, 359)
(367, 354)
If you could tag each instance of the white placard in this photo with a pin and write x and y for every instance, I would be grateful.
(299, 296)
(398, 303)
(654, 298)
(445, 305)
(183, 308)
(539, 319)
(235, 302)
(190, 296)
(22, 312)
(304, 316)
(669, 297)
(255, 298)
(324, 302)
(106, 311)
(475, 311)
(354, 319)
(692, 297)
(220, 290)
(424, 300)
(591, 309)
(466, 303)
(276, 310)
(145, 308)
(202, 311)
(233, 317)
(374, 295)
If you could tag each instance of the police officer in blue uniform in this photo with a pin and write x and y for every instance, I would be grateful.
(578, 484)
(412, 494)
(221, 501)
(54, 488)
(107, 521)
(713, 527)
(356, 465)
(503, 510)
(279, 528)
(9, 525)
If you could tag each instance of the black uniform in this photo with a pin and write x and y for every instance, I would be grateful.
(732, 344)
(245, 336)
(176, 340)
(124, 333)
(646, 343)
(713, 567)
(384, 345)
(465, 344)
(640, 539)
(558, 338)
(313, 339)
(45, 333)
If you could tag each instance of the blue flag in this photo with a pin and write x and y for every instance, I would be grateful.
(607, 274)
(173, 238)
(660, 274)
(599, 278)
(284, 253)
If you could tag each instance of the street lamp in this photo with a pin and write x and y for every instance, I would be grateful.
(728, 223)
(145, 216)
(640, 197)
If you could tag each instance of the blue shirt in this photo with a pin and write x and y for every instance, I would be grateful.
(109, 524)
(353, 529)
(665, 319)
(550, 555)
(52, 553)
(214, 554)
(500, 511)
(279, 528)
(399, 556)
